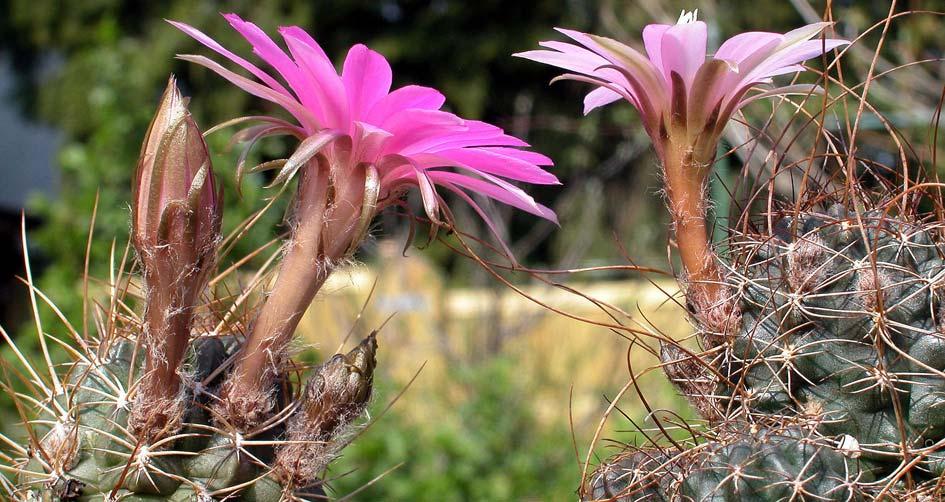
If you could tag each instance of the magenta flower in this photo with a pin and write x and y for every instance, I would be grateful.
(402, 133)
(676, 87)
(362, 146)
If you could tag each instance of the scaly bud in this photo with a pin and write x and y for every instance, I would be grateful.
(175, 230)
(336, 394)
(175, 198)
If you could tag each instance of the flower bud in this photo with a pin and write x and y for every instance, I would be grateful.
(175, 230)
(339, 389)
(336, 394)
(176, 206)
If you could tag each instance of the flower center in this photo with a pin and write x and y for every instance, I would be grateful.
(686, 17)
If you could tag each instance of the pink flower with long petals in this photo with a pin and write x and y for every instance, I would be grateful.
(361, 147)
(403, 133)
(685, 98)
(676, 87)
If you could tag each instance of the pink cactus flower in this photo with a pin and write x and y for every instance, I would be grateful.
(677, 89)
(685, 100)
(403, 133)
(361, 147)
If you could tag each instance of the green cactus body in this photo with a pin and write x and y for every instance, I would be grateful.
(838, 330)
(89, 454)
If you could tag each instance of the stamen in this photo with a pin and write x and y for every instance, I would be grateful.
(686, 17)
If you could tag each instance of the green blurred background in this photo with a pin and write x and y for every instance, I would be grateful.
(80, 80)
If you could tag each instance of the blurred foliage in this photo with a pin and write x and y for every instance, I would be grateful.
(489, 448)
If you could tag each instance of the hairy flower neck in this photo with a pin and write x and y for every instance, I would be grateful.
(686, 171)
(327, 225)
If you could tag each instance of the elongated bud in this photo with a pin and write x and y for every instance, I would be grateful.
(175, 230)
(175, 199)
(336, 394)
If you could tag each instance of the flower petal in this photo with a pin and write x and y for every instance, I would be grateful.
(517, 199)
(416, 125)
(683, 50)
(301, 114)
(405, 98)
(647, 84)
(738, 48)
(494, 162)
(789, 57)
(265, 48)
(702, 96)
(599, 97)
(323, 79)
(653, 42)
(219, 49)
(578, 59)
(367, 78)
(474, 134)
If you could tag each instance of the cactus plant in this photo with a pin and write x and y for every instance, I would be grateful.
(200, 400)
(131, 416)
(86, 448)
(818, 371)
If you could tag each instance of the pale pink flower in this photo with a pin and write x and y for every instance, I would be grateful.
(685, 98)
(403, 134)
(676, 87)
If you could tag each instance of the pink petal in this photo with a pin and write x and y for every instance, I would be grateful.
(265, 48)
(219, 49)
(495, 162)
(648, 85)
(291, 105)
(484, 134)
(323, 80)
(653, 42)
(367, 78)
(804, 33)
(683, 50)
(518, 199)
(303, 37)
(474, 133)
(736, 80)
(578, 59)
(738, 48)
(526, 155)
(796, 54)
(599, 97)
(416, 125)
(368, 141)
(405, 98)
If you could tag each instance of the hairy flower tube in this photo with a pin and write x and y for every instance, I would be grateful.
(175, 231)
(685, 99)
(361, 147)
